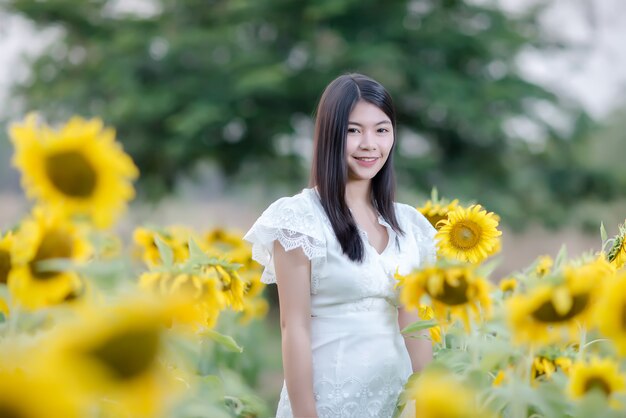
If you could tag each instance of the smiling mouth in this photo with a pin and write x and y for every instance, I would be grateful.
(366, 159)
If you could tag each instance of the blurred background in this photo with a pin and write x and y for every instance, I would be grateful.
(516, 104)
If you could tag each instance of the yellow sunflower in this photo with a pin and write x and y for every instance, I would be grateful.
(602, 375)
(198, 299)
(454, 291)
(227, 243)
(508, 285)
(431, 393)
(32, 396)
(174, 236)
(543, 367)
(611, 310)
(553, 311)
(544, 264)
(469, 234)
(617, 253)
(426, 313)
(4, 308)
(437, 210)
(113, 353)
(78, 169)
(5, 257)
(43, 237)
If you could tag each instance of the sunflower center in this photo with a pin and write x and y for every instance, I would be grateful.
(453, 295)
(548, 313)
(465, 234)
(55, 244)
(128, 354)
(596, 382)
(8, 411)
(71, 174)
(5, 267)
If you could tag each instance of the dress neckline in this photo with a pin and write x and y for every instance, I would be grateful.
(391, 234)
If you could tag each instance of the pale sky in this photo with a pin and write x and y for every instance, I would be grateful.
(594, 74)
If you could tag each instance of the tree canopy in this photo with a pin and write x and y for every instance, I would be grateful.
(235, 82)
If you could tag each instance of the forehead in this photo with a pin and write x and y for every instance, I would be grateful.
(367, 113)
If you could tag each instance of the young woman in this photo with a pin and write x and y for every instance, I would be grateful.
(333, 250)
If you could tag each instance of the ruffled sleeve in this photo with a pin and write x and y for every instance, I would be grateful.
(421, 245)
(295, 224)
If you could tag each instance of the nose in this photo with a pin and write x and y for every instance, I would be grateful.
(367, 141)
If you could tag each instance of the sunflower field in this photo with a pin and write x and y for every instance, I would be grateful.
(93, 326)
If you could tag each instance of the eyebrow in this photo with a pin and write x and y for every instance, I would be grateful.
(379, 123)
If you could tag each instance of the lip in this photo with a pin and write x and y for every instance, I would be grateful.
(366, 163)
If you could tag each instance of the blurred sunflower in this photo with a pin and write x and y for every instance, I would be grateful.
(611, 312)
(113, 352)
(617, 253)
(224, 243)
(455, 291)
(469, 234)
(544, 367)
(431, 392)
(27, 396)
(437, 210)
(40, 238)
(5, 257)
(426, 313)
(78, 169)
(232, 285)
(174, 236)
(602, 375)
(547, 311)
(543, 266)
(197, 299)
(4, 308)
(508, 285)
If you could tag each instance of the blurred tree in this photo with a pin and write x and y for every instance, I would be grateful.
(233, 81)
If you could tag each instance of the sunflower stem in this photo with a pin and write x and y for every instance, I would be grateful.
(582, 345)
(598, 340)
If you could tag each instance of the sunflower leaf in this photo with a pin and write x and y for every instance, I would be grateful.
(561, 256)
(166, 253)
(225, 340)
(196, 255)
(603, 234)
(419, 326)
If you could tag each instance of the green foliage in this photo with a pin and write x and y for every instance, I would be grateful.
(229, 81)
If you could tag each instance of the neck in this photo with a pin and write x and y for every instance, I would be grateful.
(358, 193)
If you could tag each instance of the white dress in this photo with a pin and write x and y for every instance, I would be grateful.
(360, 361)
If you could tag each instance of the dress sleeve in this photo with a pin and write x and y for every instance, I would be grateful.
(293, 222)
(420, 236)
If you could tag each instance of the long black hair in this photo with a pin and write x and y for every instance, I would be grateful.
(329, 171)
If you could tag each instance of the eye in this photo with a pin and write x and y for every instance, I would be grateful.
(383, 130)
(353, 130)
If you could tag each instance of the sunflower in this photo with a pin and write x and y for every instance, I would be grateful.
(543, 266)
(437, 210)
(426, 313)
(431, 394)
(4, 308)
(617, 253)
(174, 236)
(5, 257)
(114, 352)
(26, 396)
(454, 291)
(78, 169)
(543, 367)
(469, 234)
(43, 237)
(508, 285)
(550, 310)
(224, 243)
(611, 312)
(198, 299)
(602, 375)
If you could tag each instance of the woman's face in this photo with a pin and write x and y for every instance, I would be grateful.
(369, 141)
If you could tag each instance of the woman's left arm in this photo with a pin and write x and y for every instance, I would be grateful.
(420, 349)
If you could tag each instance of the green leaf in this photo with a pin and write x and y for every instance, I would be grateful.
(419, 325)
(166, 253)
(225, 340)
(561, 256)
(603, 234)
(196, 255)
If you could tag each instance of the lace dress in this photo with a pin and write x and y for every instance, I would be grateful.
(360, 361)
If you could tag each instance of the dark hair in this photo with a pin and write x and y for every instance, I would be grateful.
(329, 171)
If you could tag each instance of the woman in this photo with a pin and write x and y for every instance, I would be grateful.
(333, 250)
